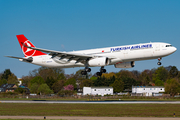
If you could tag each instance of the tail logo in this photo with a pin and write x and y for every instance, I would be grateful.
(28, 51)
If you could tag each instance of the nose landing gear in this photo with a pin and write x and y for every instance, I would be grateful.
(159, 63)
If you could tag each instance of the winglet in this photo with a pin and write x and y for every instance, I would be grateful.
(24, 42)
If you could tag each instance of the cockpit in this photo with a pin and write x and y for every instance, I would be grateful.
(169, 46)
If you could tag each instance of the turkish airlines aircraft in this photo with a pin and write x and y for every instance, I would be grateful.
(119, 56)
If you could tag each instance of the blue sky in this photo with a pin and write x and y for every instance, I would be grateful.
(67, 25)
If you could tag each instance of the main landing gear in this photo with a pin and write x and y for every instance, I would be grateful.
(87, 69)
(159, 59)
(102, 70)
(84, 72)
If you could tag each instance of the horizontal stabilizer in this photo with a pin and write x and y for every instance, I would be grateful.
(16, 57)
(29, 59)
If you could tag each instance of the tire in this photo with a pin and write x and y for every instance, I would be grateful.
(159, 63)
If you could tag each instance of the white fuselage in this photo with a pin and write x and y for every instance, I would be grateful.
(117, 54)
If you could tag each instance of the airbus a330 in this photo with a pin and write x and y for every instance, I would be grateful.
(119, 56)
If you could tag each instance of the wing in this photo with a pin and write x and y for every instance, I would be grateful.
(66, 55)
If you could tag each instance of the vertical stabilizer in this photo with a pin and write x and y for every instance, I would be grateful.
(23, 41)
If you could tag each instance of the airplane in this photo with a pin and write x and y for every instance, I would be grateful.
(119, 56)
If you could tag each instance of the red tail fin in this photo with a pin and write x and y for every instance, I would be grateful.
(23, 41)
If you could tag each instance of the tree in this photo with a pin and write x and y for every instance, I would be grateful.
(33, 73)
(79, 76)
(6, 74)
(86, 83)
(50, 81)
(65, 92)
(118, 86)
(128, 83)
(3, 81)
(93, 78)
(145, 77)
(12, 79)
(160, 74)
(20, 90)
(103, 81)
(44, 89)
(124, 74)
(26, 80)
(34, 88)
(173, 72)
(71, 81)
(55, 73)
(108, 75)
(136, 74)
(57, 86)
(39, 80)
(159, 83)
(100, 81)
(69, 87)
(172, 87)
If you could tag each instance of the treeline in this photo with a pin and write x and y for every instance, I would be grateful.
(54, 80)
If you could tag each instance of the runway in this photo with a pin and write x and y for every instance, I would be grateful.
(88, 118)
(90, 102)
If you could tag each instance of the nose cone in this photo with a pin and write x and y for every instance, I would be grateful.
(171, 50)
(174, 49)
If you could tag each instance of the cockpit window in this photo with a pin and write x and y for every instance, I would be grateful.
(168, 45)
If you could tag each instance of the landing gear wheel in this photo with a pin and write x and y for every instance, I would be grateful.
(159, 59)
(88, 69)
(159, 63)
(99, 73)
(83, 72)
(103, 70)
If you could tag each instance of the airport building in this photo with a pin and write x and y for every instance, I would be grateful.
(98, 91)
(147, 90)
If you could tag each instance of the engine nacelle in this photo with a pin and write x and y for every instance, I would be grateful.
(101, 61)
(125, 65)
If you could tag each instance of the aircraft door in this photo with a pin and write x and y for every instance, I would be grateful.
(44, 59)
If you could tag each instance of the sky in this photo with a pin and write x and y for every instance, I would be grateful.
(67, 25)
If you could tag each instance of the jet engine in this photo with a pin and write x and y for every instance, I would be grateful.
(101, 61)
(125, 65)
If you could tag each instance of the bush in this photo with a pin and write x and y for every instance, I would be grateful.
(65, 93)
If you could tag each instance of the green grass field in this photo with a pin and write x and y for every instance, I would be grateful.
(99, 98)
(110, 110)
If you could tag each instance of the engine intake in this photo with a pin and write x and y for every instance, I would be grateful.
(125, 65)
(101, 61)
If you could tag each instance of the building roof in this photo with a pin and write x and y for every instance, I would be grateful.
(101, 87)
(147, 86)
(4, 87)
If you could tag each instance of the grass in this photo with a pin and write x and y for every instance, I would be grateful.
(106, 110)
(91, 98)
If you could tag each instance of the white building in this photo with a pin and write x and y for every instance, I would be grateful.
(148, 90)
(98, 91)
